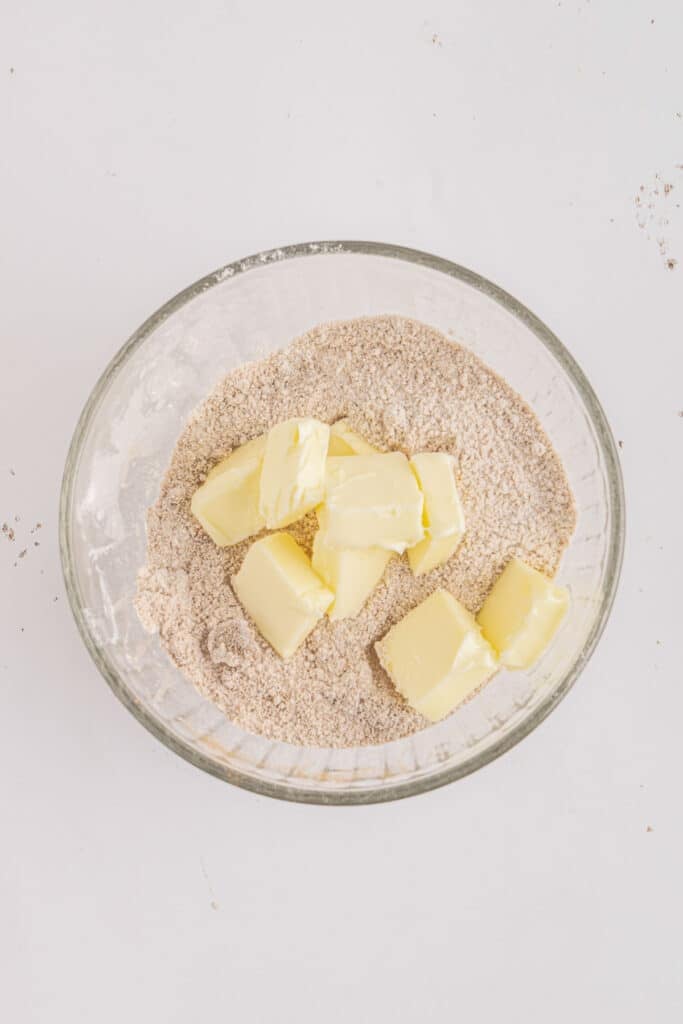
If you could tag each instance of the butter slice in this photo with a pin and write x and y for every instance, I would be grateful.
(351, 573)
(443, 518)
(227, 503)
(279, 590)
(522, 614)
(345, 441)
(293, 474)
(436, 655)
(371, 501)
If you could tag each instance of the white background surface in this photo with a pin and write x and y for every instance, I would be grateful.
(144, 144)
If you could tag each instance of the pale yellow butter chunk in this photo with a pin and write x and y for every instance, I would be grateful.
(436, 655)
(522, 614)
(443, 518)
(345, 441)
(371, 501)
(280, 592)
(430, 554)
(351, 573)
(227, 503)
(293, 474)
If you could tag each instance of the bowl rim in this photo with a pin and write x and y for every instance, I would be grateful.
(349, 794)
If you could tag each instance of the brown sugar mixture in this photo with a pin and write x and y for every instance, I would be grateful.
(403, 386)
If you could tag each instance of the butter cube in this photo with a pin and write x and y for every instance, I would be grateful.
(436, 655)
(227, 503)
(371, 501)
(351, 573)
(279, 590)
(522, 613)
(345, 441)
(443, 517)
(293, 474)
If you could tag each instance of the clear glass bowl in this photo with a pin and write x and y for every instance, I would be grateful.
(123, 443)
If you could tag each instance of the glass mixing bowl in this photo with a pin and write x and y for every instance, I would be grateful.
(123, 443)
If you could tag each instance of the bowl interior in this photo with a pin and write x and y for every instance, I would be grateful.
(124, 441)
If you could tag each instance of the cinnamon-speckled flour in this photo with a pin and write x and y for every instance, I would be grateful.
(404, 386)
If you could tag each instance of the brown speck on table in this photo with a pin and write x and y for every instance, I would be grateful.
(36, 543)
(620, 443)
(671, 263)
(38, 526)
(649, 828)
(23, 553)
(667, 187)
(55, 599)
(12, 473)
